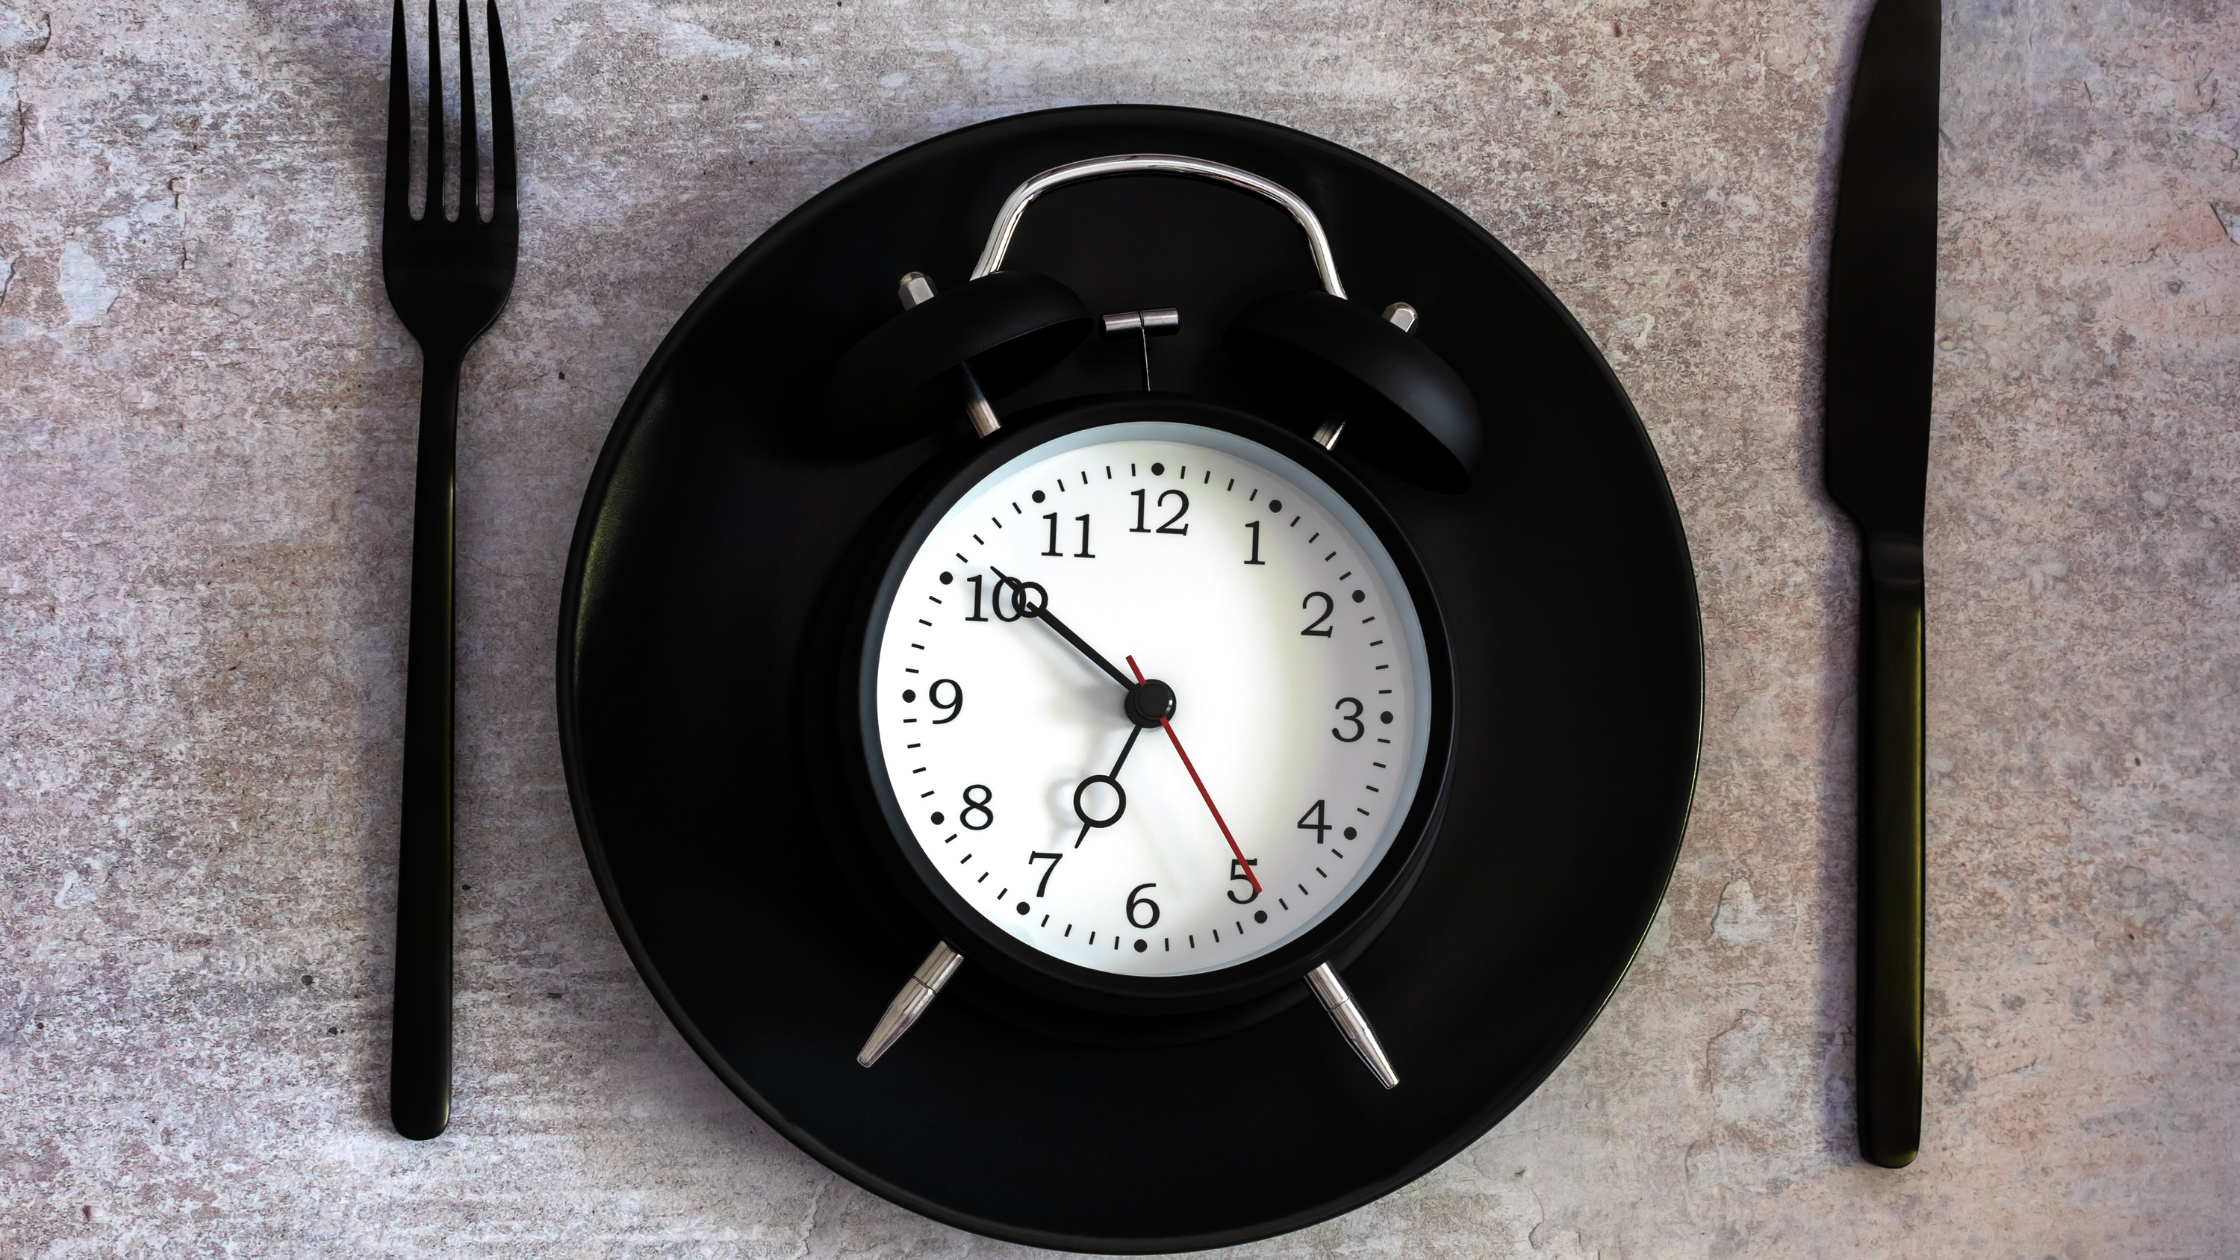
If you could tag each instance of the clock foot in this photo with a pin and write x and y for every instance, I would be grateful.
(1346, 1014)
(918, 994)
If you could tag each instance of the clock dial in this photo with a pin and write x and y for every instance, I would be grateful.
(1197, 559)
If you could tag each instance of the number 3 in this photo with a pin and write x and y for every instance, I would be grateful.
(1354, 717)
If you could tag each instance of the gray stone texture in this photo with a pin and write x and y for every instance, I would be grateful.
(207, 414)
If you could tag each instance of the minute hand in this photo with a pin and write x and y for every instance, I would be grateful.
(1041, 612)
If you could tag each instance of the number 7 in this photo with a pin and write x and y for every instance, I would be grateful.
(1032, 858)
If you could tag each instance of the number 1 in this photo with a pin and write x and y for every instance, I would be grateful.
(1254, 526)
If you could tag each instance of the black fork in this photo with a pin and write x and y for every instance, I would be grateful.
(447, 279)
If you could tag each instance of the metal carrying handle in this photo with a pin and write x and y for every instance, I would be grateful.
(1015, 206)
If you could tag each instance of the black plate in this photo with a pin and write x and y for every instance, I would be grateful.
(713, 532)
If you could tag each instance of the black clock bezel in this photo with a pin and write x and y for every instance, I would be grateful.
(1347, 930)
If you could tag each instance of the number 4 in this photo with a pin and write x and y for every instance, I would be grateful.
(1318, 826)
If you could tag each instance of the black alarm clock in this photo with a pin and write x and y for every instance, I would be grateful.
(1086, 607)
(1148, 562)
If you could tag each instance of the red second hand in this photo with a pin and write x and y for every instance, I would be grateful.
(1168, 727)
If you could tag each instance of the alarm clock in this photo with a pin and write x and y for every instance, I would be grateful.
(1149, 563)
(1129, 679)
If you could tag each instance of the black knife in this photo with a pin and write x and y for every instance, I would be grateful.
(1882, 292)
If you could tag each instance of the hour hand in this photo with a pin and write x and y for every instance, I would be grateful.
(1110, 780)
(1032, 601)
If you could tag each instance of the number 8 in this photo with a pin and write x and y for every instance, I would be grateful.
(979, 806)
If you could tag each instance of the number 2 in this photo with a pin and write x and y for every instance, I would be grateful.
(1329, 606)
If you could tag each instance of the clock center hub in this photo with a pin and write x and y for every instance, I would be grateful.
(1148, 702)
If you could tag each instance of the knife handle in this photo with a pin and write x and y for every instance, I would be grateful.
(1891, 742)
(420, 1023)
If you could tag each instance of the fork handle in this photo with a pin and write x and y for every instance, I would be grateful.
(1891, 745)
(420, 1062)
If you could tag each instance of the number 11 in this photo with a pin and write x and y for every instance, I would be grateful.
(1052, 549)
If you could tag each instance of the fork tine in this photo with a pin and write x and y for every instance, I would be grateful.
(504, 188)
(434, 212)
(470, 143)
(396, 180)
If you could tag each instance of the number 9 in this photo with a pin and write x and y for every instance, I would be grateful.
(954, 704)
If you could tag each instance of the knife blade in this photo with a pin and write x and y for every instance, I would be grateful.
(1882, 281)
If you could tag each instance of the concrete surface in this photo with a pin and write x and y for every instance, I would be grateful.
(206, 416)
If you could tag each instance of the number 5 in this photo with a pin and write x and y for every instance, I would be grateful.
(1236, 872)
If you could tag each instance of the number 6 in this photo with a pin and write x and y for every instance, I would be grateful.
(1136, 899)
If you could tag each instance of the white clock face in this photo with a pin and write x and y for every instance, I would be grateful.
(1210, 563)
